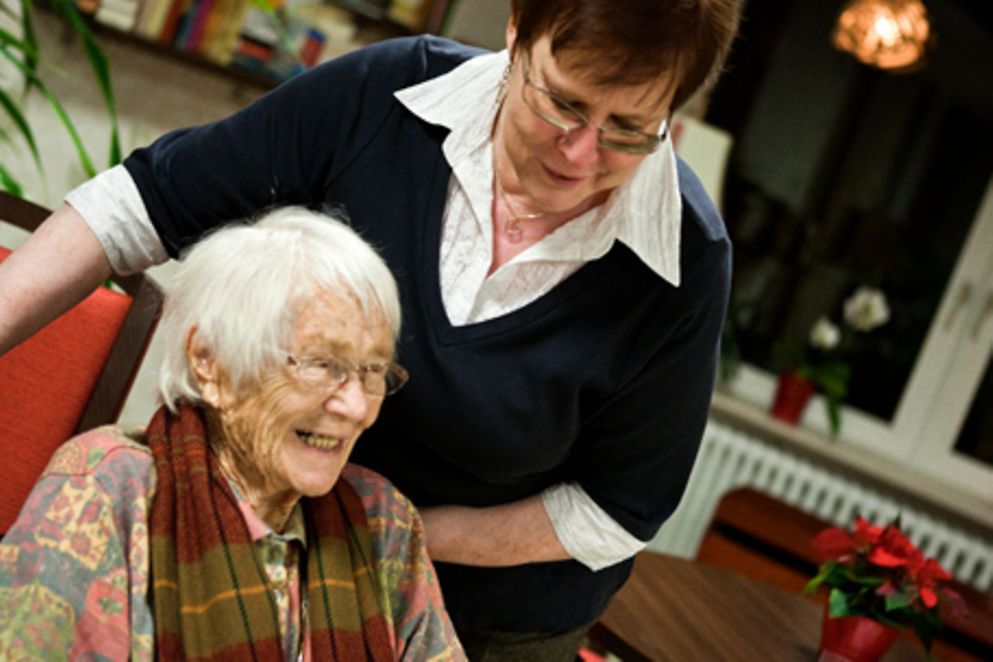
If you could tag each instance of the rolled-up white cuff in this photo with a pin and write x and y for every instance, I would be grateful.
(112, 206)
(586, 531)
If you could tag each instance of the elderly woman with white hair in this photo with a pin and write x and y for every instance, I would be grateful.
(232, 528)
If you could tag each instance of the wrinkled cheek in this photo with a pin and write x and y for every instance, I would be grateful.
(259, 430)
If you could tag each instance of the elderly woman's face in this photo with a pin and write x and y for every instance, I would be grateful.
(297, 434)
(557, 171)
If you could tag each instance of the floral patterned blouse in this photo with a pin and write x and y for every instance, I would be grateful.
(74, 566)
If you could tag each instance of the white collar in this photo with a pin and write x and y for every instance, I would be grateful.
(645, 213)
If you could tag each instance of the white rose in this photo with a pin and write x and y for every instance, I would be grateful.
(824, 334)
(866, 309)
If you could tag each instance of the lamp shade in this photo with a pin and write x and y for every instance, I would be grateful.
(887, 34)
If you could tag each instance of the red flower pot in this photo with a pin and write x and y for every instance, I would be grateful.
(854, 639)
(792, 395)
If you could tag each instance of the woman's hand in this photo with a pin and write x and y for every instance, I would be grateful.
(509, 534)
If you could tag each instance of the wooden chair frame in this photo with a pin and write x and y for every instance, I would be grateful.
(118, 373)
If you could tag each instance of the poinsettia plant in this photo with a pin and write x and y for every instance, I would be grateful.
(877, 572)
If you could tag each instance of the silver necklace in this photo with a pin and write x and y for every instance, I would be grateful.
(512, 227)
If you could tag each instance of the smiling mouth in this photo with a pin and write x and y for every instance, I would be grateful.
(319, 441)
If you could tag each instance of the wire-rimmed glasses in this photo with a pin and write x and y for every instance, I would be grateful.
(331, 372)
(558, 112)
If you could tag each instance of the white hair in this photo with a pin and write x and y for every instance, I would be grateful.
(238, 286)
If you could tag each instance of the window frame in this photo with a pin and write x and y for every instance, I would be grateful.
(944, 379)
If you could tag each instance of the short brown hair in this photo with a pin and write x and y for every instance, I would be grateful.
(635, 41)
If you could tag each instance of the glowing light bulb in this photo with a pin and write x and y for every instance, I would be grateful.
(888, 34)
(887, 29)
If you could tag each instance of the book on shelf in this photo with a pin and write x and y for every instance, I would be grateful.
(237, 32)
(173, 21)
(152, 19)
(208, 41)
(118, 14)
(194, 24)
(222, 34)
(184, 25)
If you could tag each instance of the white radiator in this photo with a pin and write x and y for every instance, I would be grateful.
(730, 458)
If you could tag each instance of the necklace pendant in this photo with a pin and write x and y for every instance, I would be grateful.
(513, 230)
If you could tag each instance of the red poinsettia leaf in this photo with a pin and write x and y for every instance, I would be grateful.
(898, 537)
(932, 571)
(894, 549)
(865, 532)
(928, 597)
(915, 561)
(832, 543)
(887, 558)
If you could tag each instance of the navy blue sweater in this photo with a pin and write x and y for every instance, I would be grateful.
(605, 380)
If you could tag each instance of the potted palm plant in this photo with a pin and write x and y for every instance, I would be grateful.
(20, 51)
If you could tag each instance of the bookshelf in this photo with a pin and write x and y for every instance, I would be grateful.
(236, 39)
(236, 74)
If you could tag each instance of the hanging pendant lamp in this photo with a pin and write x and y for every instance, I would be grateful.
(887, 34)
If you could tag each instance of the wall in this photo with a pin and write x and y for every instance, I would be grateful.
(479, 22)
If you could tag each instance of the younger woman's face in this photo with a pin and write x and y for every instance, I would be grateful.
(557, 171)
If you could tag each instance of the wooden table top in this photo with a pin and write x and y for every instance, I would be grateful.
(675, 609)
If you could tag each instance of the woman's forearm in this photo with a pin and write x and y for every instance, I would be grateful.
(59, 265)
(504, 535)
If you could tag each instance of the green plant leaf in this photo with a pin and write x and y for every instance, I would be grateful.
(84, 157)
(27, 32)
(821, 577)
(838, 604)
(834, 414)
(8, 40)
(22, 125)
(898, 601)
(830, 377)
(27, 44)
(866, 580)
(10, 184)
(101, 70)
(887, 620)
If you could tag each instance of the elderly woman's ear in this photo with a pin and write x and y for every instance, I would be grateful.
(206, 371)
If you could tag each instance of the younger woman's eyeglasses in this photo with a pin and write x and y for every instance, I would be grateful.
(558, 112)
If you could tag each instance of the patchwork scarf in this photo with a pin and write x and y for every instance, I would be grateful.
(210, 596)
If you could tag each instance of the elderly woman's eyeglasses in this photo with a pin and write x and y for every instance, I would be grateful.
(332, 372)
(560, 113)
